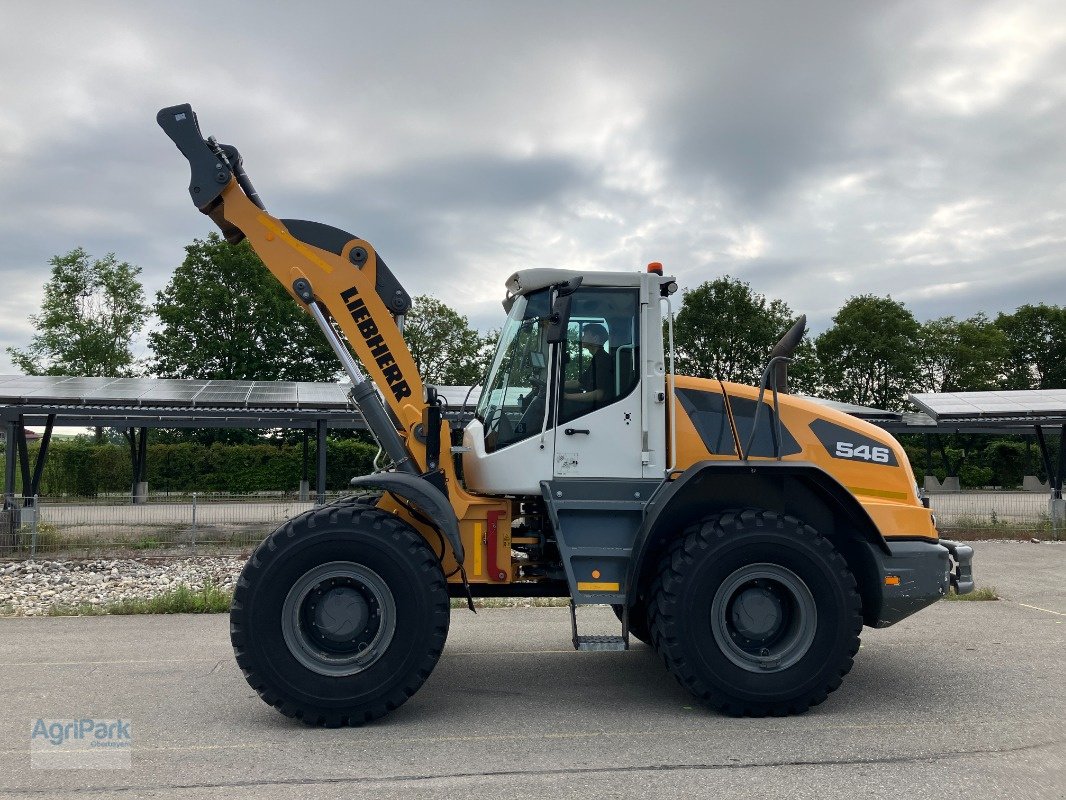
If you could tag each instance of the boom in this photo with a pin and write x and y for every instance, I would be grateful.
(324, 268)
(339, 279)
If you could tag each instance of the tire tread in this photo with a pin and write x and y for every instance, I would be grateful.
(366, 517)
(666, 585)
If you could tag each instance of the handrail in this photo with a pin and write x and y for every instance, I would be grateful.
(776, 432)
(670, 406)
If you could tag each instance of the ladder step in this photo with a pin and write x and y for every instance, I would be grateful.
(600, 643)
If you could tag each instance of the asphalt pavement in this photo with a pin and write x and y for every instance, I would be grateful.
(964, 699)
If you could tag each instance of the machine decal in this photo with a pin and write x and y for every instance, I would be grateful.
(379, 350)
(849, 445)
(565, 463)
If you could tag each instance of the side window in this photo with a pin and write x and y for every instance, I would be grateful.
(600, 358)
(708, 414)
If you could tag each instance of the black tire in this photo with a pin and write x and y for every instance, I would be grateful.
(638, 622)
(804, 630)
(340, 571)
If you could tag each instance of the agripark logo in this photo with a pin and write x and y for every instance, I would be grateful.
(86, 743)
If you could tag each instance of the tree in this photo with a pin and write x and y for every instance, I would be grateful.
(804, 372)
(966, 356)
(726, 330)
(1036, 347)
(446, 350)
(224, 316)
(870, 355)
(91, 312)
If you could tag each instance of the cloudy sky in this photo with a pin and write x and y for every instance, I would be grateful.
(817, 150)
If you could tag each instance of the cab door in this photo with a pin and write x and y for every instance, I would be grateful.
(597, 391)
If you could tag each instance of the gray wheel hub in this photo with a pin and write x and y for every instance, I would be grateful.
(757, 613)
(341, 613)
(764, 617)
(338, 618)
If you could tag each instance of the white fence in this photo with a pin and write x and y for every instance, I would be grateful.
(74, 526)
(176, 525)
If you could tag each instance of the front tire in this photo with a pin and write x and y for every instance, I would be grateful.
(755, 613)
(340, 615)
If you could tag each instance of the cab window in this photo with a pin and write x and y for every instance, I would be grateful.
(601, 355)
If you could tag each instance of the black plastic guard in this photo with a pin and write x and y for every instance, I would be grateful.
(424, 496)
(915, 575)
(334, 240)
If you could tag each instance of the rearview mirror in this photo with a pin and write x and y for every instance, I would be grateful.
(560, 316)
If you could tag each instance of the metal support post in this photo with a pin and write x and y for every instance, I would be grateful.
(320, 475)
(304, 484)
(1056, 504)
(9, 462)
(1062, 464)
(33, 529)
(24, 457)
(42, 456)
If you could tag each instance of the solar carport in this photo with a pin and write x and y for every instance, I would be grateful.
(138, 404)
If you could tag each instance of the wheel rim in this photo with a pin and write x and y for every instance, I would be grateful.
(338, 618)
(764, 618)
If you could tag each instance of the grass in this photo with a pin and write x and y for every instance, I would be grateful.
(977, 595)
(208, 599)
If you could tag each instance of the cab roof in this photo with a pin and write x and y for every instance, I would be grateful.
(529, 280)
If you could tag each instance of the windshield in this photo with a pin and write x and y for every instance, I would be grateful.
(512, 405)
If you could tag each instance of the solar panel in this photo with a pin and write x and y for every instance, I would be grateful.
(273, 395)
(67, 389)
(991, 405)
(169, 402)
(213, 397)
(323, 395)
(168, 392)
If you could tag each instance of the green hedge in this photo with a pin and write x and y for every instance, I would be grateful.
(84, 469)
(985, 462)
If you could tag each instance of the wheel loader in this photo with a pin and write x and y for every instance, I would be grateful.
(745, 533)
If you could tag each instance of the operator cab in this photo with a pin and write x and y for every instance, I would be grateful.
(569, 403)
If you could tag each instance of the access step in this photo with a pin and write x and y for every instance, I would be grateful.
(600, 643)
(595, 643)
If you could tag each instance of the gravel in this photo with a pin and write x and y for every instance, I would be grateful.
(32, 588)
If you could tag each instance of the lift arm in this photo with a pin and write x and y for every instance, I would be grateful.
(335, 276)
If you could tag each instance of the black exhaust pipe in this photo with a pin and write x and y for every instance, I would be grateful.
(786, 347)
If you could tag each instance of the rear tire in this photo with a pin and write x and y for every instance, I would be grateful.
(755, 613)
(340, 615)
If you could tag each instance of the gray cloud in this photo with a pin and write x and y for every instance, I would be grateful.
(817, 150)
